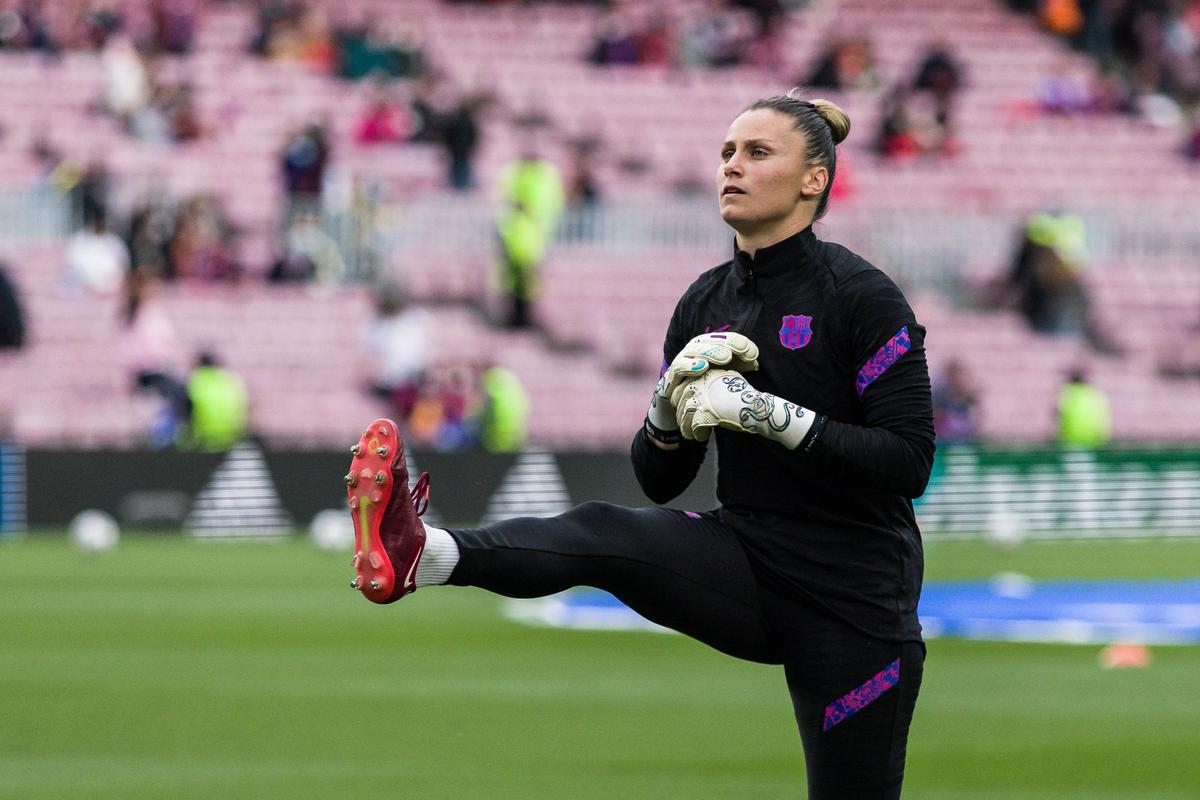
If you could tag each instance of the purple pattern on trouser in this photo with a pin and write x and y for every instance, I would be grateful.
(887, 355)
(851, 703)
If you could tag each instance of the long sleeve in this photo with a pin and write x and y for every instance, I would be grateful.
(892, 450)
(665, 474)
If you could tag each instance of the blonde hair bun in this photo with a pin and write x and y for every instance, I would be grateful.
(835, 117)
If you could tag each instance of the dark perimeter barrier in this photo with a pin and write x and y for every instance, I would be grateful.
(251, 490)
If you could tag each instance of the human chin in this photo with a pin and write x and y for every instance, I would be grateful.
(734, 206)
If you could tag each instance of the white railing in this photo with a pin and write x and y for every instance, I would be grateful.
(918, 248)
(38, 216)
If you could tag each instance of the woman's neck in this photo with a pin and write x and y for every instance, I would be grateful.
(751, 241)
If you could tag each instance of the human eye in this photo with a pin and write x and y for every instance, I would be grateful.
(758, 152)
(726, 153)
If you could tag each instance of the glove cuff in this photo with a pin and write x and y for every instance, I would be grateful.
(662, 414)
(665, 436)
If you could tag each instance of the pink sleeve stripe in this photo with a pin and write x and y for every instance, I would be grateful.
(887, 355)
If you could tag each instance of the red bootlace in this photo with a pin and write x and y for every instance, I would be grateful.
(420, 494)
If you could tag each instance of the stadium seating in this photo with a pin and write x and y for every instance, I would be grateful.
(303, 387)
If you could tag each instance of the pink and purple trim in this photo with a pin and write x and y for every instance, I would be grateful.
(851, 703)
(879, 363)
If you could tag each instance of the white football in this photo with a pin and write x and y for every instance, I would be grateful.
(94, 531)
(332, 529)
(1005, 529)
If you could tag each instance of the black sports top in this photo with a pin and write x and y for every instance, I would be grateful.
(833, 519)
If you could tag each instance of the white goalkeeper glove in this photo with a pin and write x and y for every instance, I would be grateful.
(723, 398)
(697, 356)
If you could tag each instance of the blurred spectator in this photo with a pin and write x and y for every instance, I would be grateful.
(383, 121)
(89, 190)
(97, 22)
(444, 416)
(396, 350)
(309, 253)
(23, 26)
(97, 259)
(535, 184)
(656, 42)
(367, 50)
(506, 411)
(768, 14)
(174, 25)
(218, 405)
(583, 189)
(169, 116)
(954, 406)
(1111, 93)
(460, 137)
(305, 157)
(940, 74)
(522, 247)
(898, 138)
(1153, 43)
(532, 192)
(151, 354)
(12, 318)
(1044, 274)
(314, 44)
(1084, 419)
(1064, 91)
(1046, 279)
(295, 32)
(846, 64)
(1192, 148)
(431, 99)
(615, 42)
(713, 38)
(201, 248)
(151, 229)
(273, 17)
(127, 84)
(1179, 354)
(1061, 17)
(176, 102)
(911, 126)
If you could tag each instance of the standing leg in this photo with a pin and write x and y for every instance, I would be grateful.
(685, 571)
(854, 697)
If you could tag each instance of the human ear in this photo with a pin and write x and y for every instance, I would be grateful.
(814, 182)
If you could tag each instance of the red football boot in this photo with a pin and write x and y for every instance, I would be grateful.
(389, 537)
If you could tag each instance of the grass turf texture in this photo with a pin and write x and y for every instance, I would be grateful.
(177, 669)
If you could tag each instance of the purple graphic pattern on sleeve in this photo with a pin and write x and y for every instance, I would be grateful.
(851, 703)
(884, 357)
(665, 366)
(693, 515)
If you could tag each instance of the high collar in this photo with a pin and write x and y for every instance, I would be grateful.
(793, 253)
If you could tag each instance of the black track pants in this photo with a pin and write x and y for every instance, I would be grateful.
(853, 695)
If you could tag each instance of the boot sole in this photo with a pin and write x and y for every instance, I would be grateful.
(369, 488)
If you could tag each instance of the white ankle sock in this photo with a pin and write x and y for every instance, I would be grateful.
(438, 560)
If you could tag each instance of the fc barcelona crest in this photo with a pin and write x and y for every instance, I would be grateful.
(796, 331)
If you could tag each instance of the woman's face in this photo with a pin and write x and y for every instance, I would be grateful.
(763, 175)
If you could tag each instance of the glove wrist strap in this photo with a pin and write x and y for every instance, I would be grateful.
(663, 435)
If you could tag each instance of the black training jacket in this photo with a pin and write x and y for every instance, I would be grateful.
(832, 520)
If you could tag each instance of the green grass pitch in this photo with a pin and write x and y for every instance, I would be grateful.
(175, 669)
